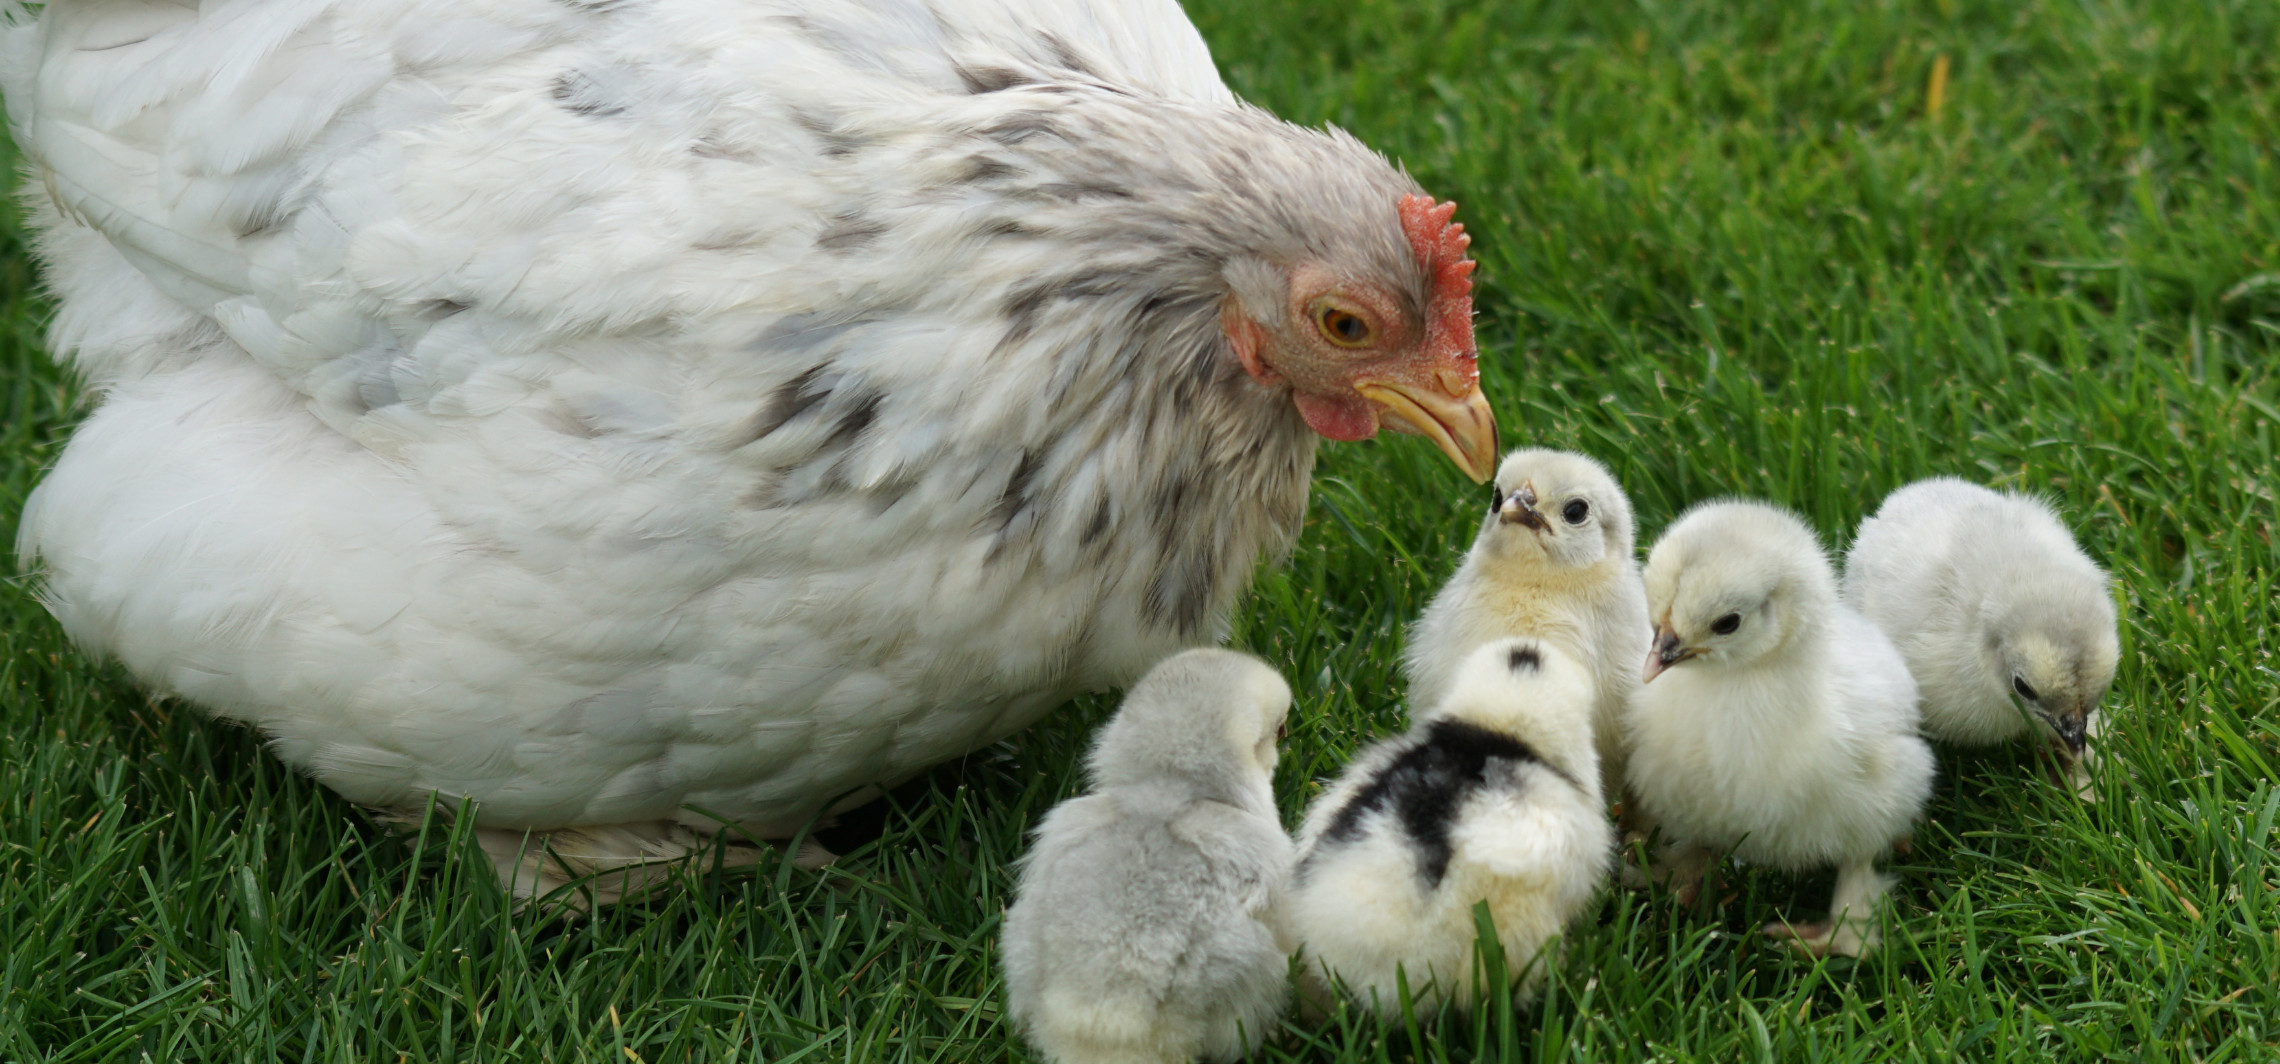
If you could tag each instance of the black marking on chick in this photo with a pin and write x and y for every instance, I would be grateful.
(1526, 658)
(1424, 786)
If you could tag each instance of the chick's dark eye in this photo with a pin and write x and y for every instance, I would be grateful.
(1576, 511)
(1344, 327)
(1495, 498)
(1727, 624)
(2020, 685)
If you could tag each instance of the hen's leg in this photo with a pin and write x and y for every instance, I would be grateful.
(610, 863)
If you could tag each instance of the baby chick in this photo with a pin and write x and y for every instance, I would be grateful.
(1989, 600)
(1554, 560)
(1138, 933)
(1491, 796)
(1774, 722)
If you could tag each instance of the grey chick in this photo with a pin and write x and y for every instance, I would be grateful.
(1774, 722)
(1491, 796)
(1138, 934)
(1555, 559)
(2006, 624)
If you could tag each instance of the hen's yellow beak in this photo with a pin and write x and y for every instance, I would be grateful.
(1464, 428)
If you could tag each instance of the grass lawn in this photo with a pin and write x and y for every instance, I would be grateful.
(1807, 251)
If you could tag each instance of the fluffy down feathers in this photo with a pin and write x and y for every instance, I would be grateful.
(604, 411)
(2000, 615)
(1492, 796)
(1138, 932)
(1554, 559)
(1775, 723)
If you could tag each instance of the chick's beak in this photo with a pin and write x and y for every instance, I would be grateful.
(1520, 508)
(1461, 425)
(1666, 652)
(2072, 728)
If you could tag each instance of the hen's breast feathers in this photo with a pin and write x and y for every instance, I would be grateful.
(781, 326)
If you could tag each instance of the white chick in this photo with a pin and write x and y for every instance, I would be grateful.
(1774, 722)
(1138, 935)
(1554, 559)
(2006, 624)
(1491, 796)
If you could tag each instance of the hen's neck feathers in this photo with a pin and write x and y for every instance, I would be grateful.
(1098, 232)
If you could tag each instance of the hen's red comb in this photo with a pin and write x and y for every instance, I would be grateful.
(1440, 247)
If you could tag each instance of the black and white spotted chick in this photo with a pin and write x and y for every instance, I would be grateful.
(1140, 931)
(1492, 796)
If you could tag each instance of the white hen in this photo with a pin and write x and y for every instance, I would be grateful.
(632, 414)
(1774, 723)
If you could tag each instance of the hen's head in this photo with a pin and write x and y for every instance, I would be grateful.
(1362, 342)
(1334, 284)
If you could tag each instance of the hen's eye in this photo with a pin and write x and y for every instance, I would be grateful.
(1576, 511)
(1725, 625)
(1343, 327)
(2020, 685)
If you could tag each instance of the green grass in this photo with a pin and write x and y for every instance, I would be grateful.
(1731, 248)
